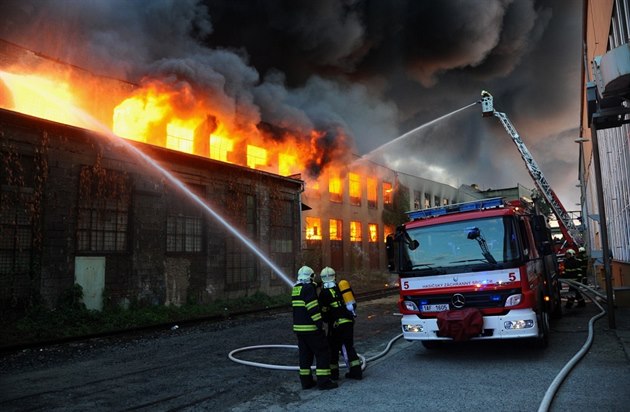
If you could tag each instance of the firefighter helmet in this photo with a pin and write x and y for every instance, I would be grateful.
(305, 274)
(327, 274)
(570, 252)
(581, 249)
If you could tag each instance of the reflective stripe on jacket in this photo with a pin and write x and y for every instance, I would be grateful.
(333, 308)
(307, 317)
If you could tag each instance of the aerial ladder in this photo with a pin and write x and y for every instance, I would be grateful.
(567, 227)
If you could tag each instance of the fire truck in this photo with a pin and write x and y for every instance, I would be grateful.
(485, 269)
(477, 270)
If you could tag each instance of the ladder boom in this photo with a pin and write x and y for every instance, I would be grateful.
(568, 228)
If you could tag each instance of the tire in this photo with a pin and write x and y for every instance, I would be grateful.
(542, 340)
(557, 303)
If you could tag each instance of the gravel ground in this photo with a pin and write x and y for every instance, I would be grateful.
(183, 369)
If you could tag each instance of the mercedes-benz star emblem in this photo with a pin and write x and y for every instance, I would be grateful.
(458, 300)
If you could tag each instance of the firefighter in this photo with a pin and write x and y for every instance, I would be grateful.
(573, 270)
(308, 326)
(582, 257)
(340, 322)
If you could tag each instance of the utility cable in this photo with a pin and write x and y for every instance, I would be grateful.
(555, 384)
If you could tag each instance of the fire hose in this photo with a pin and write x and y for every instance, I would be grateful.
(551, 390)
(564, 372)
(364, 361)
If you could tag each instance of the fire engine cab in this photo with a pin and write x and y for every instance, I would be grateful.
(477, 270)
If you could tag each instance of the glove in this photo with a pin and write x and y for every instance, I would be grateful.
(351, 308)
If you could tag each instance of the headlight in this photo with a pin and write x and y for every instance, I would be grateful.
(519, 324)
(412, 328)
(513, 300)
(409, 305)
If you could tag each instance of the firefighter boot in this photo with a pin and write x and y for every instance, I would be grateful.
(355, 373)
(334, 372)
(325, 384)
(569, 304)
(307, 382)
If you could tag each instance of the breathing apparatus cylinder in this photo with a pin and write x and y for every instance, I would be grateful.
(348, 296)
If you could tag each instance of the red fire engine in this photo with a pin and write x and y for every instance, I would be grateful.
(477, 270)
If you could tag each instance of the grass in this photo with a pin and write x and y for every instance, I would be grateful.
(71, 318)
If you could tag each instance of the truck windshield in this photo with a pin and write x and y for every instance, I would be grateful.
(488, 242)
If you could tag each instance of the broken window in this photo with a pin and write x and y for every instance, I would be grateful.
(336, 227)
(313, 228)
(103, 210)
(355, 231)
(184, 224)
(387, 193)
(372, 193)
(354, 183)
(334, 188)
(373, 232)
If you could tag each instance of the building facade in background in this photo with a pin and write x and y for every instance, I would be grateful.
(78, 207)
(606, 111)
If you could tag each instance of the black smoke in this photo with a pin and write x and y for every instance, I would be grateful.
(371, 68)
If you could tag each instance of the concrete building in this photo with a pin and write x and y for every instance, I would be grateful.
(605, 135)
(80, 207)
(352, 211)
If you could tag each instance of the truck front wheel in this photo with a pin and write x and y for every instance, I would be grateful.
(542, 340)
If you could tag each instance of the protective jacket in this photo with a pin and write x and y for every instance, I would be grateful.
(572, 268)
(312, 344)
(340, 331)
(307, 317)
(583, 260)
(334, 310)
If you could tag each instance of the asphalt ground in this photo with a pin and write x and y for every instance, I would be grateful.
(188, 369)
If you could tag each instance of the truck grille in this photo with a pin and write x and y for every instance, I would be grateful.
(480, 300)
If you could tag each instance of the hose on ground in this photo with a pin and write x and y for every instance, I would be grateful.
(557, 382)
(232, 356)
(551, 390)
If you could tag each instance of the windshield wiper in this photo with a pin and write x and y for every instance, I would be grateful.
(470, 260)
(475, 234)
(426, 265)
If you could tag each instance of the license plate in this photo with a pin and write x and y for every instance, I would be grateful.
(435, 308)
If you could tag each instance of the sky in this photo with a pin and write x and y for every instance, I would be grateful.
(375, 69)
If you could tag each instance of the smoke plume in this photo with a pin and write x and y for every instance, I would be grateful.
(364, 71)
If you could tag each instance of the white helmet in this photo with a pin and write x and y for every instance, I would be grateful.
(327, 274)
(581, 249)
(305, 274)
(570, 252)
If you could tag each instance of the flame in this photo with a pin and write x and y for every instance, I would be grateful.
(313, 228)
(173, 115)
(41, 97)
(220, 147)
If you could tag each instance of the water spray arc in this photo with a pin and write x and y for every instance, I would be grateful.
(178, 184)
(411, 132)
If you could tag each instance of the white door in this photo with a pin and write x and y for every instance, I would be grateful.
(89, 273)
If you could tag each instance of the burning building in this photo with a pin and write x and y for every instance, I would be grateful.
(80, 206)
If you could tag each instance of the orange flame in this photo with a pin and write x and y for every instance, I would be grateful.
(173, 117)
